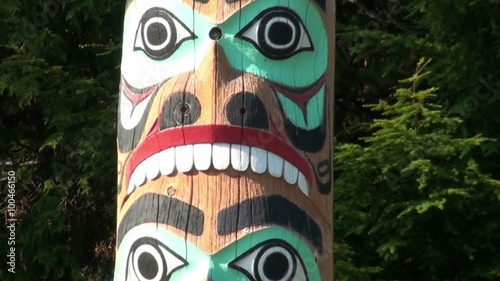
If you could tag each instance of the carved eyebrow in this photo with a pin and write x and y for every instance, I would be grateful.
(158, 208)
(265, 210)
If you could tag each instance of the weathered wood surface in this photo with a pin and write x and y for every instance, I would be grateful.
(225, 141)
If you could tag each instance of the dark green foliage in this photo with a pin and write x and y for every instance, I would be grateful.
(411, 199)
(58, 84)
(417, 190)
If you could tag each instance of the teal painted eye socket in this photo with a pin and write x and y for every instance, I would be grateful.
(271, 260)
(160, 33)
(150, 260)
(278, 33)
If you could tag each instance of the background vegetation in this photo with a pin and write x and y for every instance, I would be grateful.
(417, 127)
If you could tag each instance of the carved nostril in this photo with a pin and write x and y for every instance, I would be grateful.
(215, 33)
(247, 109)
(180, 109)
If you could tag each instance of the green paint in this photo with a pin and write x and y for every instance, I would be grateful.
(201, 264)
(314, 110)
(299, 70)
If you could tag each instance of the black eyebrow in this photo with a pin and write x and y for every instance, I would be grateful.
(158, 208)
(264, 210)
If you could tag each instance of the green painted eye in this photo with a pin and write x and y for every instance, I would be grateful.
(150, 260)
(271, 260)
(278, 33)
(160, 33)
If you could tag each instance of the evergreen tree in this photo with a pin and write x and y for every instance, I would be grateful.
(412, 201)
(58, 86)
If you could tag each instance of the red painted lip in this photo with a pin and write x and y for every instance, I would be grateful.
(212, 133)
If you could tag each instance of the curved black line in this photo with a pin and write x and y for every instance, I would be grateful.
(264, 210)
(148, 209)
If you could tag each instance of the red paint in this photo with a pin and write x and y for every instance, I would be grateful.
(134, 97)
(301, 98)
(160, 141)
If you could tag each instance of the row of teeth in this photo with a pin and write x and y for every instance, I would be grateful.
(219, 156)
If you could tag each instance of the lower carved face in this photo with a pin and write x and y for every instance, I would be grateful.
(224, 141)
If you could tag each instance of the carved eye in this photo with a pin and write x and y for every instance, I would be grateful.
(160, 33)
(150, 260)
(278, 33)
(273, 260)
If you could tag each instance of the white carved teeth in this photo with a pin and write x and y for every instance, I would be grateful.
(184, 158)
(220, 156)
(240, 157)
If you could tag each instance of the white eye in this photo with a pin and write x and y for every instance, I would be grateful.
(273, 260)
(160, 33)
(278, 33)
(150, 260)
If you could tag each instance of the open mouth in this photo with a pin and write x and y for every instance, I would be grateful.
(201, 147)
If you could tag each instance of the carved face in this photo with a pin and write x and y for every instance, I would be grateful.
(224, 141)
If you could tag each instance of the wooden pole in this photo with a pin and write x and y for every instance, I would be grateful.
(225, 141)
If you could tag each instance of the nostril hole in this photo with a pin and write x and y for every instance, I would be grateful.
(243, 111)
(184, 109)
(215, 33)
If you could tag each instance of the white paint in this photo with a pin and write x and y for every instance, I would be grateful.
(274, 164)
(152, 165)
(221, 155)
(202, 156)
(302, 183)
(290, 173)
(184, 158)
(130, 116)
(258, 160)
(240, 157)
(167, 161)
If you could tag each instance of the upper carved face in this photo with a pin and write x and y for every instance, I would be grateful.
(218, 94)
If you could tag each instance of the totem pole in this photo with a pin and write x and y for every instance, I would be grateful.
(225, 141)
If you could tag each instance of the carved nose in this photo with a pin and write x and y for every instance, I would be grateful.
(180, 109)
(246, 109)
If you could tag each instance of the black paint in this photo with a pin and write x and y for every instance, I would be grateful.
(275, 266)
(267, 210)
(157, 208)
(306, 140)
(324, 169)
(246, 109)
(157, 33)
(180, 109)
(215, 33)
(279, 52)
(147, 266)
(280, 33)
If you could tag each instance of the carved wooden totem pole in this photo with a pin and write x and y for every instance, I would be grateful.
(225, 141)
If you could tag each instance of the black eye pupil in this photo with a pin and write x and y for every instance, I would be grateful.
(157, 33)
(280, 33)
(148, 266)
(276, 266)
